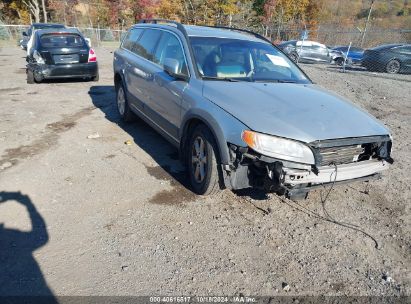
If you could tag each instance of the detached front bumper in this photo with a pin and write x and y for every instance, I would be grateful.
(329, 174)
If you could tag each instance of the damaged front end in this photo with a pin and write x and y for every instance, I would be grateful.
(335, 161)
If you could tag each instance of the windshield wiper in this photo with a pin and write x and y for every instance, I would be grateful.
(275, 80)
(223, 78)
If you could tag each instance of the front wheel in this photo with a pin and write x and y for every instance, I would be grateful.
(202, 162)
(393, 66)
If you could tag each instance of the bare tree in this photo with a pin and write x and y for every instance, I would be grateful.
(34, 8)
(366, 22)
(43, 4)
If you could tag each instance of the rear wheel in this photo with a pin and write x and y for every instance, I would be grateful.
(95, 78)
(393, 66)
(122, 104)
(202, 162)
(37, 77)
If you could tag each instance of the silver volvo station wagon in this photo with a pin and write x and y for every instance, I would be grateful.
(241, 113)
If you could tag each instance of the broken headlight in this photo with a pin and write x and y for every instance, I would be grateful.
(278, 147)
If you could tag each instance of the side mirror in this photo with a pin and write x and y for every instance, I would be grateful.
(25, 34)
(172, 67)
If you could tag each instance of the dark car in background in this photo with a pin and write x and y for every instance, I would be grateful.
(390, 58)
(61, 54)
(354, 54)
(309, 52)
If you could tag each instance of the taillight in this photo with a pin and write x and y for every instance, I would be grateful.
(92, 56)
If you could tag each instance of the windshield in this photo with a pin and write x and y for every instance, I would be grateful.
(232, 59)
(61, 40)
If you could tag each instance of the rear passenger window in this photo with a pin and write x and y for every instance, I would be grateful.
(131, 39)
(169, 47)
(147, 43)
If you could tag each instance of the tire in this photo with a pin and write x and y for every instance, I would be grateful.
(122, 104)
(30, 76)
(95, 78)
(393, 66)
(37, 77)
(339, 61)
(202, 162)
(293, 57)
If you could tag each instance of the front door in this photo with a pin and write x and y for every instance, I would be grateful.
(164, 104)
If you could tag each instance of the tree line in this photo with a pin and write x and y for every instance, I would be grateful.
(267, 16)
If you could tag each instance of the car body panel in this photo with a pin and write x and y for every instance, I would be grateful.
(302, 112)
(82, 70)
(225, 127)
(355, 54)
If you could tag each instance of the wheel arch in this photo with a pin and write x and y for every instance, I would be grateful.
(191, 121)
(118, 78)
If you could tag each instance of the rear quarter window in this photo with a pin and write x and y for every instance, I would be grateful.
(65, 40)
(146, 44)
(130, 41)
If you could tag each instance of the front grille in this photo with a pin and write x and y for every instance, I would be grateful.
(340, 155)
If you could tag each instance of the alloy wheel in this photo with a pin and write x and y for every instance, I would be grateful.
(199, 159)
(393, 66)
(121, 101)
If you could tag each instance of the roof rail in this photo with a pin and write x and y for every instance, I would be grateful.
(241, 30)
(179, 26)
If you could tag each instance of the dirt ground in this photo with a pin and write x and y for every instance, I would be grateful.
(98, 217)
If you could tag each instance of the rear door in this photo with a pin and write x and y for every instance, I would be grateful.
(320, 53)
(140, 70)
(129, 59)
(304, 50)
(63, 48)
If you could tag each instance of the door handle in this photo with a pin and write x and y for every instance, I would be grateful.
(140, 73)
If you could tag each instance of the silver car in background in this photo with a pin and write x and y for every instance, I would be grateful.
(241, 113)
(310, 52)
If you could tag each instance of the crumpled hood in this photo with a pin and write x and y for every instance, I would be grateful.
(296, 111)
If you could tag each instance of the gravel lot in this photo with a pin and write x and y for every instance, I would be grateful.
(119, 220)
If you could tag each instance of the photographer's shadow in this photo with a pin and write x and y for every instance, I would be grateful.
(20, 275)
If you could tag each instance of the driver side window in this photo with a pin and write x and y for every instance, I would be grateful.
(169, 47)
